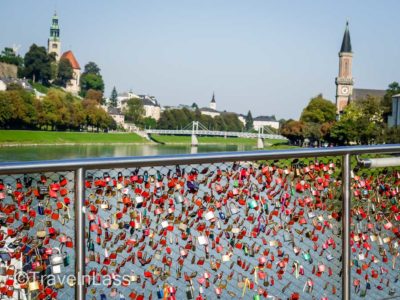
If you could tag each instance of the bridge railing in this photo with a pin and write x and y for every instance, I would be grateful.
(215, 133)
(278, 224)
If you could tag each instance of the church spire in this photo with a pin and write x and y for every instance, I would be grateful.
(213, 98)
(54, 43)
(346, 43)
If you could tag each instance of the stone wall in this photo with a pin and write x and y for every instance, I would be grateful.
(7, 70)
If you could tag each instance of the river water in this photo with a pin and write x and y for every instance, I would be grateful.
(30, 153)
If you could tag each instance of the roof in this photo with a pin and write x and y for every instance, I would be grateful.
(364, 93)
(22, 82)
(265, 118)
(147, 101)
(213, 99)
(209, 110)
(114, 111)
(346, 43)
(71, 58)
(395, 96)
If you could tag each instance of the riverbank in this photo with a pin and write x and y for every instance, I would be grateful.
(32, 138)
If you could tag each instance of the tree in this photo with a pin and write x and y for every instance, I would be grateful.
(194, 105)
(91, 68)
(249, 121)
(134, 111)
(64, 72)
(38, 64)
(94, 95)
(91, 79)
(294, 131)
(149, 122)
(319, 110)
(8, 56)
(361, 123)
(113, 98)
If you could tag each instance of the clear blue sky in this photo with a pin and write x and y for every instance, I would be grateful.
(267, 56)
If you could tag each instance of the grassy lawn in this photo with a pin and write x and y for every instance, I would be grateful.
(52, 137)
(181, 139)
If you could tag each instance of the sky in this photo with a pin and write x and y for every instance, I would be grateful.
(269, 57)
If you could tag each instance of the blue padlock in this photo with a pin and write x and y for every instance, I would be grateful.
(160, 293)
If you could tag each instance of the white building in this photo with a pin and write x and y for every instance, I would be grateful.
(262, 121)
(211, 110)
(394, 119)
(117, 115)
(3, 85)
(151, 106)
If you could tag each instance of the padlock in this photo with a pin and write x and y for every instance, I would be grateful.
(56, 269)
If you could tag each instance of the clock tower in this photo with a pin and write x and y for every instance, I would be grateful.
(344, 82)
(54, 43)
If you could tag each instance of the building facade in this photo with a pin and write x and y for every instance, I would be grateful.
(211, 110)
(150, 104)
(394, 119)
(344, 81)
(261, 121)
(73, 85)
(54, 47)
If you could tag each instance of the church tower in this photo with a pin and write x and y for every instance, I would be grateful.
(344, 82)
(213, 104)
(54, 43)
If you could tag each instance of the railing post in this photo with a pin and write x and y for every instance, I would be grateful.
(79, 234)
(346, 220)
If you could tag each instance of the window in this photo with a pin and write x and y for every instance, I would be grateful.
(54, 46)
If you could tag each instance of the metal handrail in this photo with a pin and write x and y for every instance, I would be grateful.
(148, 161)
(79, 166)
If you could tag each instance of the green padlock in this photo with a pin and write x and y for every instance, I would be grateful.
(256, 297)
(252, 203)
(90, 245)
(235, 183)
(245, 250)
(306, 256)
(66, 259)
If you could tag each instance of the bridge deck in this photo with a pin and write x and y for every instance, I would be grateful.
(215, 133)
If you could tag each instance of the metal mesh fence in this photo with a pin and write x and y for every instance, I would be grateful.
(37, 236)
(375, 234)
(232, 230)
(251, 230)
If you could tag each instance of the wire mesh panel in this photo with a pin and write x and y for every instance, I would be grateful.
(37, 236)
(375, 234)
(235, 230)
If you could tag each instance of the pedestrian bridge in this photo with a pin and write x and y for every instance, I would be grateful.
(198, 129)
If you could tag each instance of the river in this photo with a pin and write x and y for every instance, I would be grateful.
(31, 153)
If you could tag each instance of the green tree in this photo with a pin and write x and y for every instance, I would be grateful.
(194, 105)
(113, 98)
(38, 64)
(249, 121)
(319, 110)
(8, 56)
(361, 123)
(149, 122)
(134, 111)
(64, 72)
(91, 79)
(92, 68)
